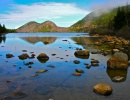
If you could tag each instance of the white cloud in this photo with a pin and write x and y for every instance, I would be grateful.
(110, 4)
(45, 11)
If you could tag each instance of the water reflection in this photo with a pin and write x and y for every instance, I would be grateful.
(86, 42)
(45, 40)
(58, 83)
(2, 38)
(114, 73)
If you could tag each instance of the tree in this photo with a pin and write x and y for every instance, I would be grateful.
(3, 29)
(119, 19)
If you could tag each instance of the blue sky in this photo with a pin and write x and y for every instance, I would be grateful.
(15, 13)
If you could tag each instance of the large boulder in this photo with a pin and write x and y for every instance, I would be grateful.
(43, 57)
(102, 89)
(118, 61)
(82, 54)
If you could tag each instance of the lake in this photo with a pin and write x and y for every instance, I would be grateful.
(58, 83)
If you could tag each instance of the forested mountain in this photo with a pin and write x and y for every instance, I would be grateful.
(115, 22)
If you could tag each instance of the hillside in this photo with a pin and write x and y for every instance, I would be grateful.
(46, 26)
(93, 20)
(113, 22)
(83, 25)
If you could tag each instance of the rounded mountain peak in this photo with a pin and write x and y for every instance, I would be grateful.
(50, 23)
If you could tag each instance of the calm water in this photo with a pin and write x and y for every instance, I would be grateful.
(58, 83)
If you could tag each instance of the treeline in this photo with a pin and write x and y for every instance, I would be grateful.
(3, 29)
(116, 22)
(121, 22)
(122, 18)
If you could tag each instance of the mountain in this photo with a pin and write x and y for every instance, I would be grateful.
(115, 21)
(46, 26)
(83, 25)
(94, 19)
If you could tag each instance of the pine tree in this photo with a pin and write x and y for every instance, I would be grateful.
(119, 19)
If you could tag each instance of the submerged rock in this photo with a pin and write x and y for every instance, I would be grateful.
(117, 75)
(76, 61)
(94, 61)
(23, 56)
(79, 71)
(42, 58)
(88, 66)
(102, 89)
(82, 53)
(41, 71)
(118, 61)
(76, 74)
(34, 75)
(9, 55)
(118, 79)
(24, 50)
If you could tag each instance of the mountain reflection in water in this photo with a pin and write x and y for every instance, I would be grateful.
(58, 83)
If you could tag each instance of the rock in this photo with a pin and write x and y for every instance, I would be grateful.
(113, 73)
(94, 61)
(34, 75)
(23, 56)
(105, 53)
(97, 43)
(51, 66)
(118, 61)
(29, 66)
(64, 40)
(118, 79)
(129, 62)
(76, 61)
(9, 55)
(41, 71)
(24, 50)
(79, 71)
(116, 50)
(82, 53)
(33, 55)
(53, 54)
(94, 64)
(76, 74)
(88, 66)
(102, 89)
(8, 81)
(42, 58)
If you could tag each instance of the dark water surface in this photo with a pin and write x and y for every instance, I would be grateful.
(58, 83)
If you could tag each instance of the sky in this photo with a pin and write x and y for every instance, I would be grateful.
(64, 13)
